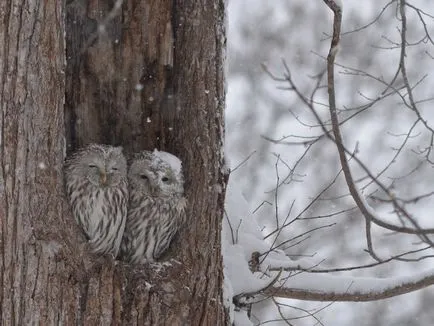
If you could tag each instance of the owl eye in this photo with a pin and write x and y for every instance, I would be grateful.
(92, 166)
(144, 176)
(114, 169)
(164, 179)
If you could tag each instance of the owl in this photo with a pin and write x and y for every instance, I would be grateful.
(156, 209)
(97, 189)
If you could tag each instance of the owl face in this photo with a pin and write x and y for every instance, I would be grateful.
(151, 176)
(103, 166)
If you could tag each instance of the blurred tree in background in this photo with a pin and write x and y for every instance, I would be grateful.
(384, 92)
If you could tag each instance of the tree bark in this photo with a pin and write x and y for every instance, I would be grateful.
(146, 75)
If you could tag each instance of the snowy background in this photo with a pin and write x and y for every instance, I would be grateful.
(265, 32)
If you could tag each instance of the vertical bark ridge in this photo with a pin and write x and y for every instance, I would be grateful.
(31, 97)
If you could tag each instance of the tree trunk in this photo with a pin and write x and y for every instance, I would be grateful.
(147, 74)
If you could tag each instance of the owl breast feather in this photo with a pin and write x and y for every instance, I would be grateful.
(103, 220)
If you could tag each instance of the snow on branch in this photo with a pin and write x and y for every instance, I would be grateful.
(305, 286)
(257, 269)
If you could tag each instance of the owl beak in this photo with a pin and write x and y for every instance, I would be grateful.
(103, 178)
(153, 190)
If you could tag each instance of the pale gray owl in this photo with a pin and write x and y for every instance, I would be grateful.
(97, 189)
(156, 207)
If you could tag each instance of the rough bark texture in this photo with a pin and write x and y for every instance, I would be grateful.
(31, 101)
(152, 77)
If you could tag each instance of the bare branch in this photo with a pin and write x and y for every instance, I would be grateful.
(351, 268)
(361, 202)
